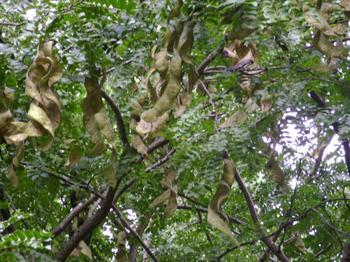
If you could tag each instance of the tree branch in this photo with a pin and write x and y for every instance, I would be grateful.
(134, 233)
(11, 24)
(336, 125)
(192, 200)
(89, 225)
(120, 123)
(140, 229)
(319, 101)
(5, 214)
(124, 189)
(346, 252)
(319, 157)
(160, 161)
(288, 216)
(74, 213)
(286, 224)
(233, 220)
(210, 58)
(157, 143)
(268, 242)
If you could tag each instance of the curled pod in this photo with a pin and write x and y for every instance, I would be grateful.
(216, 217)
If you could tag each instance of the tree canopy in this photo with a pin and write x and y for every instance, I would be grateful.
(174, 130)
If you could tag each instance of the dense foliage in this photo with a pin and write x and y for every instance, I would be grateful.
(174, 130)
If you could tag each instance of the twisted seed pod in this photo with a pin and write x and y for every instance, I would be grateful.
(41, 76)
(95, 118)
(221, 194)
(44, 110)
(177, 44)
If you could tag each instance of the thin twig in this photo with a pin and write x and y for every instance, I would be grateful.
(160, 161)
(120, 123)
(5, 214)
(88, 225)
(74, 213)
(140, 229)
(288, 216)
(200, 219)
(210, 58)
(192, 200)
(336, 125)
(205, 210)
(11, 24)
(211, 99)
(289, 223)
(268, 242)
(134, 233)
(124, 189)
(157, 143)
(334, 228)
(319, 157)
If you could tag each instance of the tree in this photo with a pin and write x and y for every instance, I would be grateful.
(173, 130)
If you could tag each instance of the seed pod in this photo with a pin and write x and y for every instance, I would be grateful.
(221, 194)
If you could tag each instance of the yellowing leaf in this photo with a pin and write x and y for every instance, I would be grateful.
(138, 144)
(322, 44)
(74, 155)
(11, 174)
(110, 174)
(237, 118)
(82, 249)
(266, 103)
(161, 198)
(97, 150)
(169, 196)
(85, 250)
(121, 255)
(274, 170)
(145, 128)
(183, 101)
(41, 76)
(175, 12)
(251, 105)
(345, 4)
(44, 111)
(325, 68)
(161, 61)
(15, 162)
(9, 94)
(104, 124)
